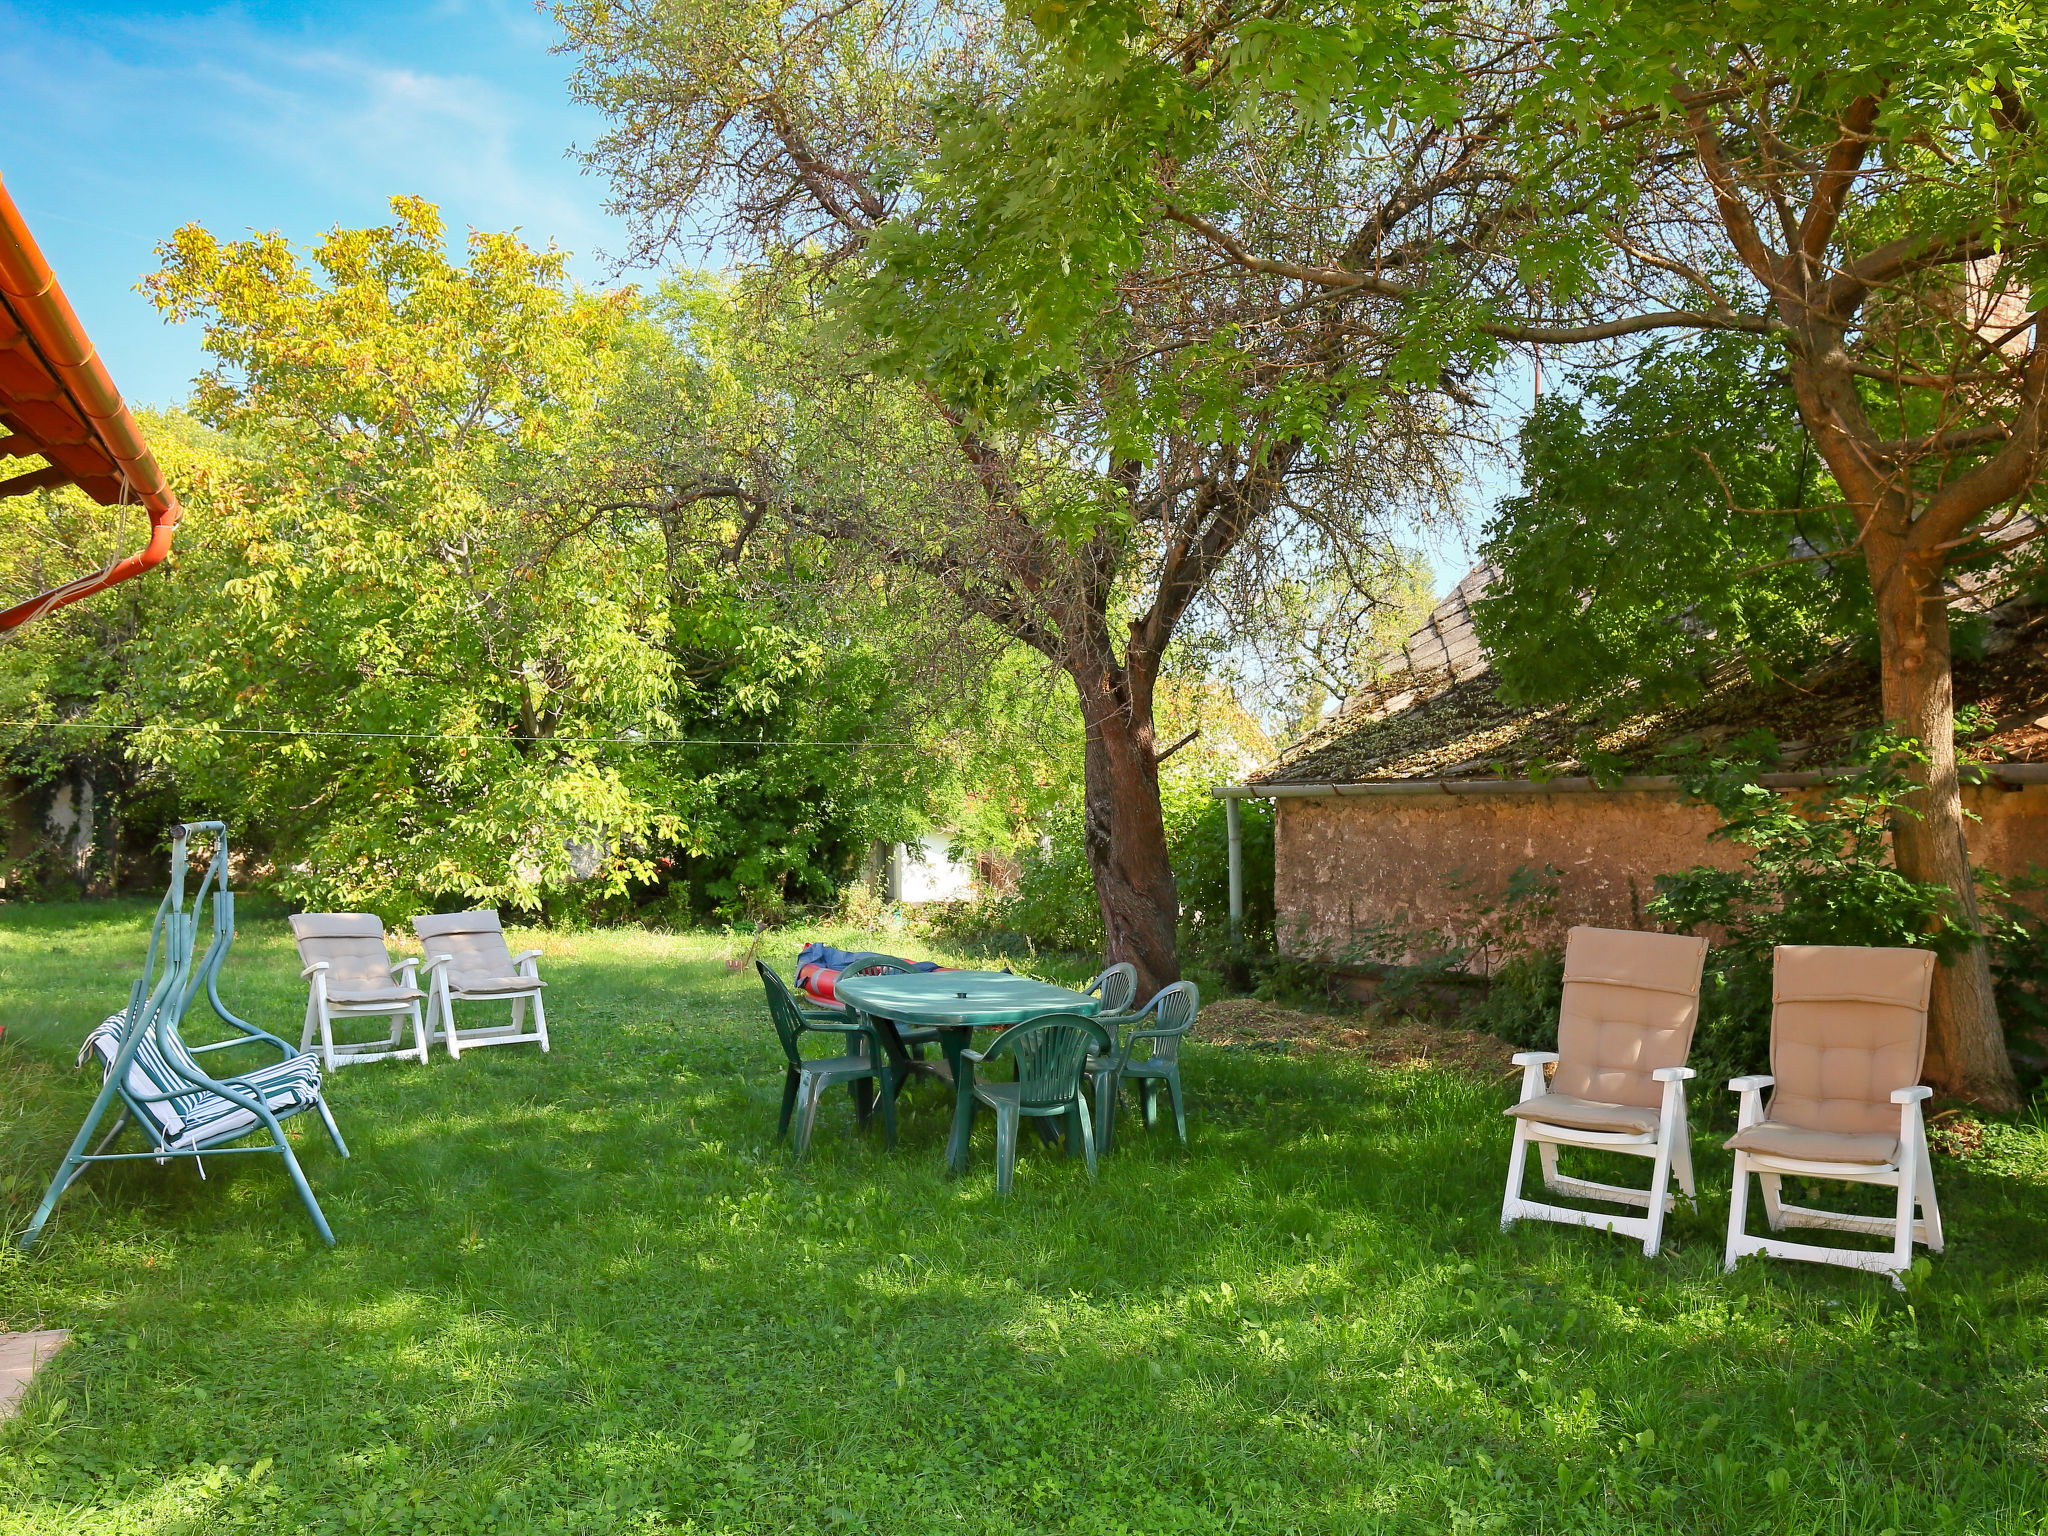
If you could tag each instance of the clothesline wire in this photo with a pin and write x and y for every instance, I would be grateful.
(628, 741)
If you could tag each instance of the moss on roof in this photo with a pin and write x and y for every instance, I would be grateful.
(1418, 724)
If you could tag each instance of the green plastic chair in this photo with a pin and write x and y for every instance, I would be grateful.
(1172, 1011)
(1050, 1052)
(1117, 987)
(806, 1079)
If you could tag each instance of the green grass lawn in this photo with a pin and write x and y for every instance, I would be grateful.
(583, 1292)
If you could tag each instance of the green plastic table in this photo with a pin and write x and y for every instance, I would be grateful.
(957, 1003)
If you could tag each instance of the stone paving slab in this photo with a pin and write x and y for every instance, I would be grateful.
(20, 1356)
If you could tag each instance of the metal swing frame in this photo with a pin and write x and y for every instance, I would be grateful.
(156, 1008)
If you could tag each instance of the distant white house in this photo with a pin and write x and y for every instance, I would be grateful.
(923, 871)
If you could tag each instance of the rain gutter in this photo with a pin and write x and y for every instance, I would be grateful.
(31, 299)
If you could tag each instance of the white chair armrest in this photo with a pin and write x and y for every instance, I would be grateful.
(527, 954)
(1754, 1084)
(406, 966)
(436, 962)
(1532, 1064)
(1674, 1074)
(1911, 1095)
(308, 972)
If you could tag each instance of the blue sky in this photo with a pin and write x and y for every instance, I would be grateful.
(124, 121)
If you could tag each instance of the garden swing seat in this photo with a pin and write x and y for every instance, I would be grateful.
(162, 1087)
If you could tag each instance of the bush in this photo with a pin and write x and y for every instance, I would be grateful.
(1053, 903)
(1819, 872)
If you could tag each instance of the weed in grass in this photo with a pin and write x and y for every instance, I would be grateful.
(584, 1293)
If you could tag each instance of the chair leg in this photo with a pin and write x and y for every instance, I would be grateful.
(1546, 1151)
(540, 1022)
(1774, 1204)
(306, 1034)
(1105, 1103)
(1909, 1188)
(326, 1044)
(419, 1032)
(1180, 1112)
(1070, 1133)
(789, 1085)
(1738, 1210)
(1930, 1210)
(807, 1116)
(1087, 1133)
(1518, 1159)
(1006, 1147)
(518, 1013)
(888, 1086)
(1681, 1164)
(333, 1130)
(862, 1091)
(305, 1190)
(448, 1039)
(1660, 1182)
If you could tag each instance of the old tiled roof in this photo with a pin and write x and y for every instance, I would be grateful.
(1448, 720)
(58, 405)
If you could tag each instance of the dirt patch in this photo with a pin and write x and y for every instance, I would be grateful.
(1958, 1134)
(1247, 1022)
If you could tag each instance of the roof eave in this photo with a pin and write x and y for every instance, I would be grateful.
(31, 299)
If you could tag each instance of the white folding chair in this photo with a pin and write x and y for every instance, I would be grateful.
(1624, 1030)
(1848, 1035)
(468, 961)
(350, 975)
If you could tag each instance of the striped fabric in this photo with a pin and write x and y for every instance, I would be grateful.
(198, 1117)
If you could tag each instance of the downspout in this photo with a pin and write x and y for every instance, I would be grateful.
(31, 298)
(1233, 821)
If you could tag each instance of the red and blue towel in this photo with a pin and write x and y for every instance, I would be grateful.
(818, 967)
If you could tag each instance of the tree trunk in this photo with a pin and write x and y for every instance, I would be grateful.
(1966, 1055)
(1125, 832)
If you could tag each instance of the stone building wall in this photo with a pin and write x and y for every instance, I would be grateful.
(1344, 865)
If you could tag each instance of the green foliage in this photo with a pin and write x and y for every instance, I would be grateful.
(584, 1292)
(1492, 934)
(468, 606)
(1637, 558)
(1054, 903)
(1818, 870)
(1198, 838)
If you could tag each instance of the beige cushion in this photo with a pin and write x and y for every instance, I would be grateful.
(500, 986)
(352, 945)
(1585, 1115)
(1816, 1146)
(477, 943)
(353, 996)
(1848, 1027)
(1630, 1002)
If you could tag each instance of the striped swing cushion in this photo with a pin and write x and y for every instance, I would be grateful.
(199, 1117)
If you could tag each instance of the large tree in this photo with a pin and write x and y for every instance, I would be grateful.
(1097, 496)
(468, 605)
(1857, 184)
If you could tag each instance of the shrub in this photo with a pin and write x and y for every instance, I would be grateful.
(1819, 872)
